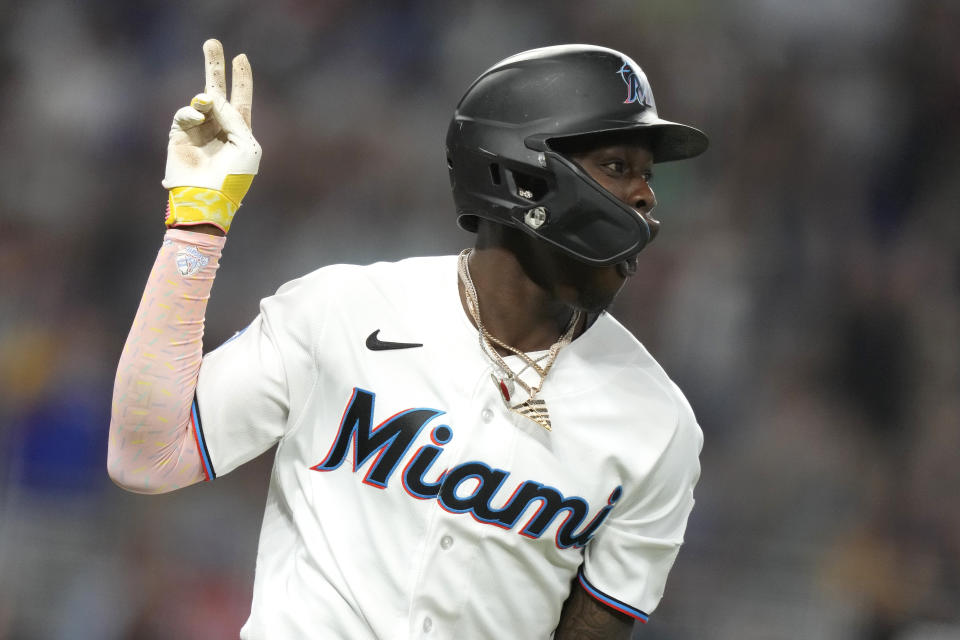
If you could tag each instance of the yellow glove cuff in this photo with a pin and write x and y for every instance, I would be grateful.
(198, 205)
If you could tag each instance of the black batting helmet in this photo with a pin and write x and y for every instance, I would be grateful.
(508, 133)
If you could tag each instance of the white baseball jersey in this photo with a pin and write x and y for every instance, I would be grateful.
(406, 500)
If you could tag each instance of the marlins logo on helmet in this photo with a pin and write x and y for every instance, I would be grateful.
(636, 88)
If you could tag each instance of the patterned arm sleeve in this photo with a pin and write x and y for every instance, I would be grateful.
(155, 438)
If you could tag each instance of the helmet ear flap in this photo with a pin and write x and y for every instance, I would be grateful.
(582, 218)
(559, 203)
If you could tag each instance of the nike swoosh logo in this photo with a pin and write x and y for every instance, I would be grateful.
(376, 344)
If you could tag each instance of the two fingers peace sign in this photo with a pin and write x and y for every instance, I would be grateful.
(211, 138)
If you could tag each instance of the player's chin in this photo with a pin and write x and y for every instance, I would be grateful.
(604, 291)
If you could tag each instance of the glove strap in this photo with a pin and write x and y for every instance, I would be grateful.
(198, 205)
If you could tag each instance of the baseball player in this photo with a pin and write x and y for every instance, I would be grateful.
(468, 446)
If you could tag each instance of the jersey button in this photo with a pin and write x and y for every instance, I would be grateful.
(427, 624)
(486, 415)
(446, 542)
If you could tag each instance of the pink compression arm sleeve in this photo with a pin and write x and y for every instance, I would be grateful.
(154, 446)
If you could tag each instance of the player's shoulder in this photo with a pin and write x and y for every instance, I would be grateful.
(613, 348)
(384, 268)
(666, 426)
(623, 366)
(353, 280)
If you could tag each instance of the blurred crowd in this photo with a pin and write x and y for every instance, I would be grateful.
(804, 290)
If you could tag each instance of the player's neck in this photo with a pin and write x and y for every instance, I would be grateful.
(513, 307)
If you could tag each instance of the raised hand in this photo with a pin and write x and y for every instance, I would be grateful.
(212, 155)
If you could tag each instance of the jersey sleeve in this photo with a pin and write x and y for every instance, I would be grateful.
(626, 564)
(248, 384)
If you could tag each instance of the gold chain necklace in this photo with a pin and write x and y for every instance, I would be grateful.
(532, 407)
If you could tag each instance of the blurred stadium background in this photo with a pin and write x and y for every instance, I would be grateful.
(804, 291)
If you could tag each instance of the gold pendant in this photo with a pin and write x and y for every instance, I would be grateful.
(535, 409)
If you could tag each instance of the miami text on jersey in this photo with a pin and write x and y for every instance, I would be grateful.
(393, 438)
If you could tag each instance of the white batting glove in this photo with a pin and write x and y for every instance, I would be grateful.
(212, 155)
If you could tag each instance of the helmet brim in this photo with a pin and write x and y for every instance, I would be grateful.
(667, 141)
